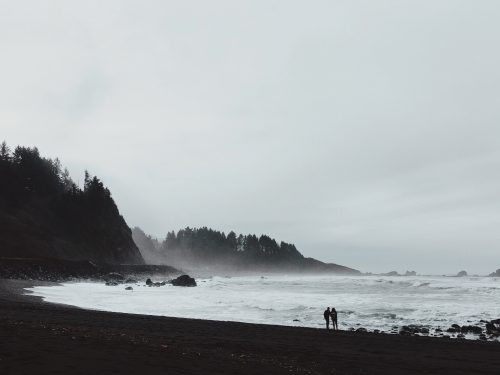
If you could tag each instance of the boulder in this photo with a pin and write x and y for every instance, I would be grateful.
(471, 329)
(493, 327)
(413, 329)
(129, 288)
(184, 280)
(462, 274)
(111, 283)
(361, 329)
(149, 282)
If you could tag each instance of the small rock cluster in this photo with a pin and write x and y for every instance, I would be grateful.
(115, 279)
(491, 331)
(151, 283)
(413, 329)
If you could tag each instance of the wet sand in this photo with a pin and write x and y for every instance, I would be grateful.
(43, 338)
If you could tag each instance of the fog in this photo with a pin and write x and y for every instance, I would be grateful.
(364, 132)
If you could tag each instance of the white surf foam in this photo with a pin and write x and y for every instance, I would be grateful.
(370, 302)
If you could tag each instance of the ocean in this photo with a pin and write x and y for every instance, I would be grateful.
(372, 302)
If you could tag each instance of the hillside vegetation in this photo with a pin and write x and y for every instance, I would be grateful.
(44, 214)
(205, 248)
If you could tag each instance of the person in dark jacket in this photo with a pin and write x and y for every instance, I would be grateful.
(333, 315)
(326, 315)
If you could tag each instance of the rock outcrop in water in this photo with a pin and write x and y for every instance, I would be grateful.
(461, 274)
(495, 274)
(184, 280)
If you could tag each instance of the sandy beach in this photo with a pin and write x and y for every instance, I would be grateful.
(43, 338)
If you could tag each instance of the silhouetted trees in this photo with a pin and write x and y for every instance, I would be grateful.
(214, 251)
(4, 152)
(208, 246)
(51, 216)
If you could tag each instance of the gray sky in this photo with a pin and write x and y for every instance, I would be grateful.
(365, 132)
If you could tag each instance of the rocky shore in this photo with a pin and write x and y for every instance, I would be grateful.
(484, 331)
(57, 270)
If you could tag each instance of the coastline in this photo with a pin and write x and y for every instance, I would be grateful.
(58, 339)
(412, 307)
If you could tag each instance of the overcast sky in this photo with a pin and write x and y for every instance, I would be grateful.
(365, 132)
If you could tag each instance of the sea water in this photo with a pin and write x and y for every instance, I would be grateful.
(372, 302)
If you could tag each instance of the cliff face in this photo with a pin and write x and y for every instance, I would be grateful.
(43, 214)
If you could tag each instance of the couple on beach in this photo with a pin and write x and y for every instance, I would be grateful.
(333, 315)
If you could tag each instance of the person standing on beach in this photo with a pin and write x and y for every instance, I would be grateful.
(333, 315)
(326, 315)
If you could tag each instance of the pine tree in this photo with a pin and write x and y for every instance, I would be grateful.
(86, 181)
(4, 152)
(66, 180)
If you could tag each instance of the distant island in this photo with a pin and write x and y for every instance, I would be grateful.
(209, 249)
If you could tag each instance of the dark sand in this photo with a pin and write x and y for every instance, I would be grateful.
(42, 338)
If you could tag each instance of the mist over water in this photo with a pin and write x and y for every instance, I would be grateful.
(371, 302)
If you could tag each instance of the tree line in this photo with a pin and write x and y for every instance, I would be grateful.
(71, 222)
(208, 246)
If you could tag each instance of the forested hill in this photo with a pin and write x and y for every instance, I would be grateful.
(210, 249)
(43, 214)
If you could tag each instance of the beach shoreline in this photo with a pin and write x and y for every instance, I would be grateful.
(431, 307)
(39, 337)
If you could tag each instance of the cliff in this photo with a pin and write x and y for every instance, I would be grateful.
(43, 214)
